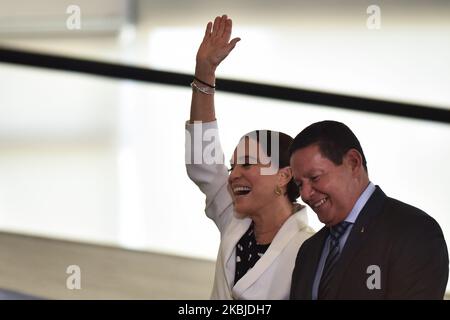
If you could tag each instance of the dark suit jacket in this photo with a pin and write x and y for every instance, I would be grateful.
(404, 242)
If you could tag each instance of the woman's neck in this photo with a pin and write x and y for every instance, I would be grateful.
(268, 220)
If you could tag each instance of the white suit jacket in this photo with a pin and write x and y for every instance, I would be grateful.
(270, 278)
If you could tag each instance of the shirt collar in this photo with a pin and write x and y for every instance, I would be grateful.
(360, 203)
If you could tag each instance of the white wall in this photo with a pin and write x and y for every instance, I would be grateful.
(123, 181)
(58, 154)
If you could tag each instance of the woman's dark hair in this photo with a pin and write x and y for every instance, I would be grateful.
(264, 139)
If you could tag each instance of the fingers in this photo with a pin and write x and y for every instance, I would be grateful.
(227, 30)
(219, 25)
(232, 43)
(223, 23)
(216, 26)
(222, 28)
(208, 30)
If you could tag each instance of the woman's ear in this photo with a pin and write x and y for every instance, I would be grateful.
(284, 176)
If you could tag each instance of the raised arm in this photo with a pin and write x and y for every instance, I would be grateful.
(216, 45)
(212, 178)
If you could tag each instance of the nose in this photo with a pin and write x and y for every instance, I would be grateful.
(306, 191)
(234, 174)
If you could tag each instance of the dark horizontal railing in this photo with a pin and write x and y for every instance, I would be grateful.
(119, 71)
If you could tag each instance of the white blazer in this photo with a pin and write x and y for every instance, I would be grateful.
(270, 278)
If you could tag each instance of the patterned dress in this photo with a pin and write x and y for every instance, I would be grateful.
(248, 253)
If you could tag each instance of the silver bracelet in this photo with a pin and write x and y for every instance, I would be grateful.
(205, 90)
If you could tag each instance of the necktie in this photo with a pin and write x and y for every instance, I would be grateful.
(333, 255)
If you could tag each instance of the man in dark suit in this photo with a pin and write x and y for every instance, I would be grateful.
(372, 246)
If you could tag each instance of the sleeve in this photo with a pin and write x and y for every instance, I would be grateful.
(420, 269)
(205, 167)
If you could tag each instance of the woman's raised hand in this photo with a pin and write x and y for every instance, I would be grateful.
(216, 45)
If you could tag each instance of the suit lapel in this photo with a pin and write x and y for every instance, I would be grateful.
(356, 239)
(290, 228)
(311, 263)
(231, 237)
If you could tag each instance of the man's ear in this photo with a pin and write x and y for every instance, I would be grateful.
(354, 160)
(284, 176)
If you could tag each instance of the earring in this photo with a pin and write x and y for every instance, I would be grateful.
(278, 191)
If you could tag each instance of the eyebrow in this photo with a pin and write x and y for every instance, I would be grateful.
(313, 172)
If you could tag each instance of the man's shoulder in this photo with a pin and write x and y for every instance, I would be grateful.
(314, 240)
(407, 216)
(404, 208)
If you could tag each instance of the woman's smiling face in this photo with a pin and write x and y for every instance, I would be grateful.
(251, 190)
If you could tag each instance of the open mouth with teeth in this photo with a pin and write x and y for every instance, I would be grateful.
(241, 191)
(319, 203)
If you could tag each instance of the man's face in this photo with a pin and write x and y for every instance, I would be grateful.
(330, 190)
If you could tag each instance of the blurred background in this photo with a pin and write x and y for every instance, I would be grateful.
(92, 168)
